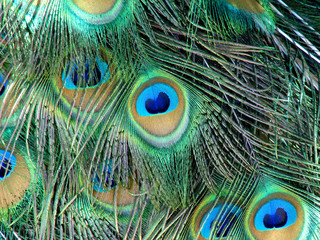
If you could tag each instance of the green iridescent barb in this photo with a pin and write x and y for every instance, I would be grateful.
(153, 119)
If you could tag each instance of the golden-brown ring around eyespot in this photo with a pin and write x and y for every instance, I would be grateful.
(159, 124)
(82, 97)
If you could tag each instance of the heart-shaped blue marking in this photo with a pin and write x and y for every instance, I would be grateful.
(275, 214)
(159, 98)
(158, 105)
(277, 220)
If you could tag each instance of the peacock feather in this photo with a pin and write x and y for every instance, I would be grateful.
(144, 119)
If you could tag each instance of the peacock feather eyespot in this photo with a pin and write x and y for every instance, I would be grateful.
(123, 195)
(158, 108)
(93, 74)
(276, 213)
(107, 190)
(213, 220)
(85, 84)
(18, 182)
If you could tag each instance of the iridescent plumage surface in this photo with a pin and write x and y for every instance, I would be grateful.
(153, 119)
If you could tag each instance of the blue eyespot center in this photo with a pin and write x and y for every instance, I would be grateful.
(85, 79)
(159, 98)
(7, 164)
(158, 105)
(226, 215)
(275, 214)
(278, 220)
(104, 181)
(74, 77)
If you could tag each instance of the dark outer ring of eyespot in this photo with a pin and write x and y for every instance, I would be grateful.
(95, 93)
(148, 123)
(9, 188)
(252, 6)
(291, 232)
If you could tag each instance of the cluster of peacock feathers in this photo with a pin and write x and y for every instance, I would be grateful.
(154, 119)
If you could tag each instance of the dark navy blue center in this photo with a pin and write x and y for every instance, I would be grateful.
(85, 79)
(275, 214)
(5, 168)
(100, 185)
(277, 220)
(226, 225)
(158, 98)
(2, 90)
(89, 76)
(158, 105)
(106, 179)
